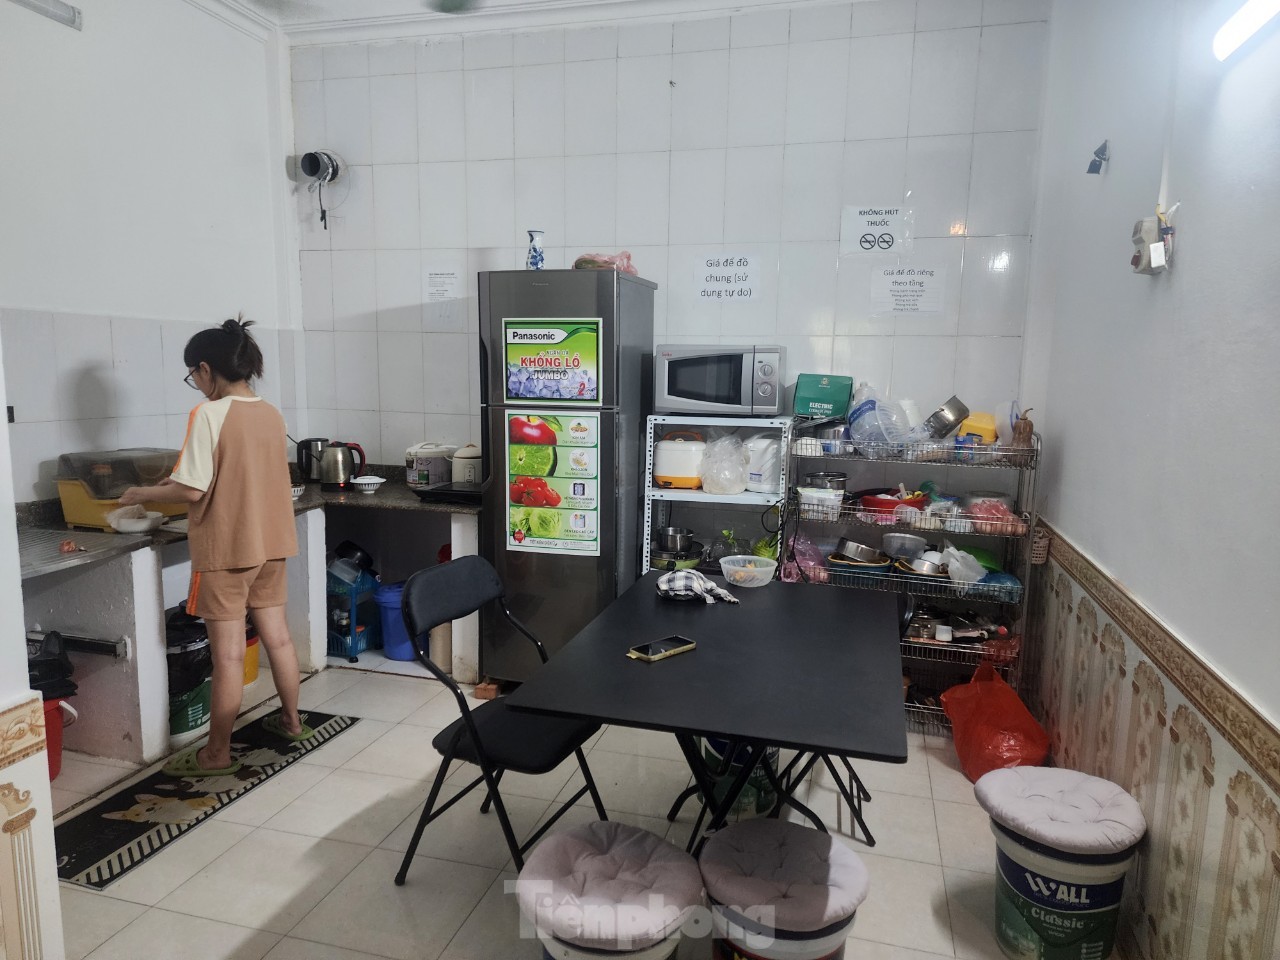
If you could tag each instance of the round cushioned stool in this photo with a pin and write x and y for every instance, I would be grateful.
(1064, 840)
(779, 890)
(606, 889)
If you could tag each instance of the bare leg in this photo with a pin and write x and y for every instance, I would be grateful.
(273, 633)
(226, 638)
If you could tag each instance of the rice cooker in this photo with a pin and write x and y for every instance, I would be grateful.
(429, 463)
(466, 464)
(677, 459)
(764, 466)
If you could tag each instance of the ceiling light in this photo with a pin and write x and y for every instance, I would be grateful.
(54, 10)
(1244, 23)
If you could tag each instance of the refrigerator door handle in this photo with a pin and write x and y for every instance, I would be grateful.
(484, 420)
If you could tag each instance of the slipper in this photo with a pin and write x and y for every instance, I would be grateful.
(186, 764)
(274, 723)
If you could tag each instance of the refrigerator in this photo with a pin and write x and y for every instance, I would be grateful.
(566, 381)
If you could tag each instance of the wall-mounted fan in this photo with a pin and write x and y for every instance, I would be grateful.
(321, 167)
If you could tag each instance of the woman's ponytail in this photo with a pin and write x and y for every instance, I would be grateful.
(228, 349)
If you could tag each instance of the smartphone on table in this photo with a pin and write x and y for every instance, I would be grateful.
(660, 649)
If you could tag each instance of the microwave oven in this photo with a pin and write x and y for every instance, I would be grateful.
(718, 380)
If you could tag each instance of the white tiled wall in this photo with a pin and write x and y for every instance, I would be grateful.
(79, 382)
(674, 140)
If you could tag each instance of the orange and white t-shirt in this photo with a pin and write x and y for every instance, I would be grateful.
(236, 451)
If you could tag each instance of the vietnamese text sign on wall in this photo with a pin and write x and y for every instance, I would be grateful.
(871, 228)
(908, 288)
(728, 278)
(442, 284)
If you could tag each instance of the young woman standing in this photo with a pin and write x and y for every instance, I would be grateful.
(234, 472)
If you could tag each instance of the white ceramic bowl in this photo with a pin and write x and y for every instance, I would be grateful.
(747, 571)
(146, 524)
(368, 484)
(298, 489)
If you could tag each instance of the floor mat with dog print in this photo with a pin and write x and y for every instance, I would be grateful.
(103, 842)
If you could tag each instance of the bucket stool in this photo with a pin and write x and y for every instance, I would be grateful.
(608, 891)
(780, 891)
(1064, 841)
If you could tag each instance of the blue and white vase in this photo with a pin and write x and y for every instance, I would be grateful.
(535, 258)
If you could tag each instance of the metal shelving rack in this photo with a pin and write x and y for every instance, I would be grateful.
(657, 500)
(931, 665)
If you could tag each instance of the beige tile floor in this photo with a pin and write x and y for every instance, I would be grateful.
(301, 868)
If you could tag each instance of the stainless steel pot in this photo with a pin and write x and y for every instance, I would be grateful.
(946, 418)
(826, 480)
(858, 551)
(675, 539)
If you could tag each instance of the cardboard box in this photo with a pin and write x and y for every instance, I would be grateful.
(822, 395)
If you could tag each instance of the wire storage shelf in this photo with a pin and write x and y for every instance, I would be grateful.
(958, 523)
(940, 452)
(920, 585)
(927, 719)
(969, 654)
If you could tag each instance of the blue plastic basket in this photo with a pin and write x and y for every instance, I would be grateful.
(362, 629)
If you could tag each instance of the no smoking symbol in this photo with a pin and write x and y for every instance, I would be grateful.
(885, 240)
(867, 241)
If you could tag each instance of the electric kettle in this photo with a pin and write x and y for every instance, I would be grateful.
(309, 453)
(338, 464)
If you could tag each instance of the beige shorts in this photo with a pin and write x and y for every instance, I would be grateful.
(229, 594)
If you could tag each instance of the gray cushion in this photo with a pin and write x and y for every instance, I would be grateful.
(783, 875)
(1063, 809)
(608, 886)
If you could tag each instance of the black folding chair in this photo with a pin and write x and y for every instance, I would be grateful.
(492, 736)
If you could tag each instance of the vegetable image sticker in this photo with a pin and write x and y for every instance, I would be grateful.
(552, 485)
(552, 361)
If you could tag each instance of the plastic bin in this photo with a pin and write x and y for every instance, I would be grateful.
(53, 725)
(252, 650)
(1064, 842)
(190, 669)
(396, 644)
(758, 796)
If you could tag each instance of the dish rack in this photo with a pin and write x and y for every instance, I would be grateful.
(928, 668)
(852, 514)
(931, 667)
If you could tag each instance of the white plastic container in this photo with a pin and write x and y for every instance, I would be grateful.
(764, 466)
(429, 463)
(731, 936)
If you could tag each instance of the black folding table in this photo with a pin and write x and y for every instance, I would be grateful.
(813, 668)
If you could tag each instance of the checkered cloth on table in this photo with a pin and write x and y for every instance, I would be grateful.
(687, 584)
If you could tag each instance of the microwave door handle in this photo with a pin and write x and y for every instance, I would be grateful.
(748, 391)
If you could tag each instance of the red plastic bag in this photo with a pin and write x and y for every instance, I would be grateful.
(993, 727)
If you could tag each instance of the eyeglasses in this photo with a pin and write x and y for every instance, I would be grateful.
(189, 382)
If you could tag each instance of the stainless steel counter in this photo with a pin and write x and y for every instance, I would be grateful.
(38, 549)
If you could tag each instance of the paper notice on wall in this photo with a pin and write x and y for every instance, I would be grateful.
(729, 278)
(871, 228)
(442, 285)
(908, 288)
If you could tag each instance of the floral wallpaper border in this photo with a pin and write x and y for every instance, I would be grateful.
(1256, 739)
(21, 731)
